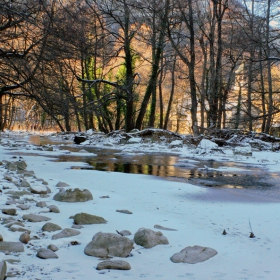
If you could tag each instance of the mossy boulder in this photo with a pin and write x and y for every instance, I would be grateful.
(73, 195)
(88, 219)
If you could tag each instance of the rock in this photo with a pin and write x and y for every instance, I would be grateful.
(124, 211)
(23, 207)
(88, 219)
(46, 254)
(149, 238)
(53, 209)
(41, 204)
(124, 233)
(109, 244)
(11, 246)
(194, 255)
(11, 202)
(245, 150)
(61, 185)
(24, 184)
(21, 165)
(39, 189)
(20, 201)
(67, 232)
(27, 173)
(18, 193)
(134, 140)
(52, 247)
(1, 238)
(164, 228)
(73, 195)
(9, 211)
(3, 270)
(117, 264)
(76, 226)
(35, 218)
(176, 144)
(205, 146)
(11, 166)
(15, 228)
(14, 223)
(79, 139)
(50, 227)
(24, 238)
(74, 243)
(7, 220)
(8, 178)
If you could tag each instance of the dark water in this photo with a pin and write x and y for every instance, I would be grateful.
(167, 166)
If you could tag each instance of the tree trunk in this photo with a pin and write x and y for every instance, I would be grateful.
(269, 76)
(171, 94)
(156, 57)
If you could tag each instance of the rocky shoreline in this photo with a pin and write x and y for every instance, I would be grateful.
(27, 213)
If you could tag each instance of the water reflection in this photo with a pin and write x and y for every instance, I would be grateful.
(170, 167)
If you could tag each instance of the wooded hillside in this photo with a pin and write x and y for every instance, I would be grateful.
(186, 66)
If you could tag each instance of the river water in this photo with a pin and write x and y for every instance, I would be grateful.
(168, 166)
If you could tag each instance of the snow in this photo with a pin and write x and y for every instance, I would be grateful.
(198, 214)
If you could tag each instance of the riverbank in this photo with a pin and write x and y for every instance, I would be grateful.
(197, 218)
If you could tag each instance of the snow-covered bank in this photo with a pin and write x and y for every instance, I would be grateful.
(198, 215)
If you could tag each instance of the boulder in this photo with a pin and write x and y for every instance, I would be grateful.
(23, 207)
(15, 228)
(46, 254)
(61, 185)
(79, 139)
(24, 184)
(54, 209)
(50, 227)
(193, 255)
(27, 173)
(73, 195)
(117, 264)
(35, 218)
(41, 204)
(8, 178)
(21, 165)
(11, 166)
(149, 238)
(3, 270)
(11, 246)
(18, 193)
(14, 223)
(11, 202)
(9, 211)
(39, 189)
(67, 232)
(52, 247)
(109, 244)
(205, 146)
(176, 144)
(88, 219)
(24, 238)
(245, 150)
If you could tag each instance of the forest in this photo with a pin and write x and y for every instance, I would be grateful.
(184, 65)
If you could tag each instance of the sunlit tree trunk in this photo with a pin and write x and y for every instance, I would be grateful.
(269, 77)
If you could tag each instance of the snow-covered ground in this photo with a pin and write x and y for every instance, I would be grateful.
(199, 215)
